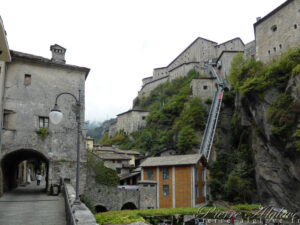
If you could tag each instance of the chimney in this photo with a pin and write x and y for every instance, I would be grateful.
(58, 53)
(258, 18)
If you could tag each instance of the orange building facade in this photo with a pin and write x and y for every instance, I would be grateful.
(180, 179)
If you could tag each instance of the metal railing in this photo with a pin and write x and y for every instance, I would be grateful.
(212, 121)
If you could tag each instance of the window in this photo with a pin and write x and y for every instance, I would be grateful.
(150, 174)
(44, 121)
(118, 170)
(165, 173)
(196, 191)
(27, 79)
(269, 52)
(196, 174)
(280, 46)
(203, 190)
(295, 26)
(143, 117)
(205, 87)
(274, 49)
(203, 175)
(274, 28)
(165, 190)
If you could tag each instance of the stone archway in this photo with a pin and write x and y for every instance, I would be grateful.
(100, 208)
(9, 165)
(128, 205)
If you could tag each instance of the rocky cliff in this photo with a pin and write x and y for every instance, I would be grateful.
(276, 159)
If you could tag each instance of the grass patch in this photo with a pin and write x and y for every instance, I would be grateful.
(127, 216)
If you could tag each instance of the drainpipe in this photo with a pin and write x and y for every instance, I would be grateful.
(2, 107)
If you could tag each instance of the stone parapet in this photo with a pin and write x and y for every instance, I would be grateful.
(77, 214)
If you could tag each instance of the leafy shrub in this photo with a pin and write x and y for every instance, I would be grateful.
(280, 116)
(88, 202)
(103, 175)
(43, 132)
(251, 77)
(171, 111)
(186, 139)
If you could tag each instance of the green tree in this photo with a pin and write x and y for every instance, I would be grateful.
(186, 139)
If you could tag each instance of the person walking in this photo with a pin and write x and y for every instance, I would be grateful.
(38, 179)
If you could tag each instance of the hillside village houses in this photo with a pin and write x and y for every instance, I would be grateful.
(29, 86)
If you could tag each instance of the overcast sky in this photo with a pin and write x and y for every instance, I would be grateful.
(123, 40)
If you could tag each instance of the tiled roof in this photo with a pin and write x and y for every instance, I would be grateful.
(39, 59)
(113, 156)
(172, 160)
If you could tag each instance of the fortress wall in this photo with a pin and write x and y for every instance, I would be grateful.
(182, 71)
(160, 72)
(147, 88)
(203, 87)
(226, 59)
(147, 80)
(250, 50)
(200, 50)
(233, 45)
(277, 32)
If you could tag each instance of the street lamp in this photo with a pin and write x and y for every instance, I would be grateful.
(56, 117)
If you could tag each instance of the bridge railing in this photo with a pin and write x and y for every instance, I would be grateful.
(76, 214)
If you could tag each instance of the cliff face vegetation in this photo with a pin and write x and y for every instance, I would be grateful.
(267, 97)
(175, 120)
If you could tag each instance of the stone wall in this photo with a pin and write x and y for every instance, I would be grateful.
(250, 50)
(159, 73)
(182, 70)
(148, 195)
(147, 88)
(200, 50)
(235, 44)
(129, 121)
(112, 198)
(2, 78)
(77, 214)
(225, 60)
(147, 80)
(28, 102)
(278, 31)
(204, 88)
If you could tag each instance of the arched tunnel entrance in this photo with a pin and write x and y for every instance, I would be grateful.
(15, 163)
(100, 208)
(128, 205)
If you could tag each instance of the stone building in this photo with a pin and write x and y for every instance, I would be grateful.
(204, 87)
(278, 31)
(29, 87)
(180, 179)
(89, 143)
(198, 55)
(129, 121)
(123, 161)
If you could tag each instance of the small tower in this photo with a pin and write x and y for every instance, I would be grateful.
(58, 53)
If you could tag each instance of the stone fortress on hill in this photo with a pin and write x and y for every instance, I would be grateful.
(274, 34)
